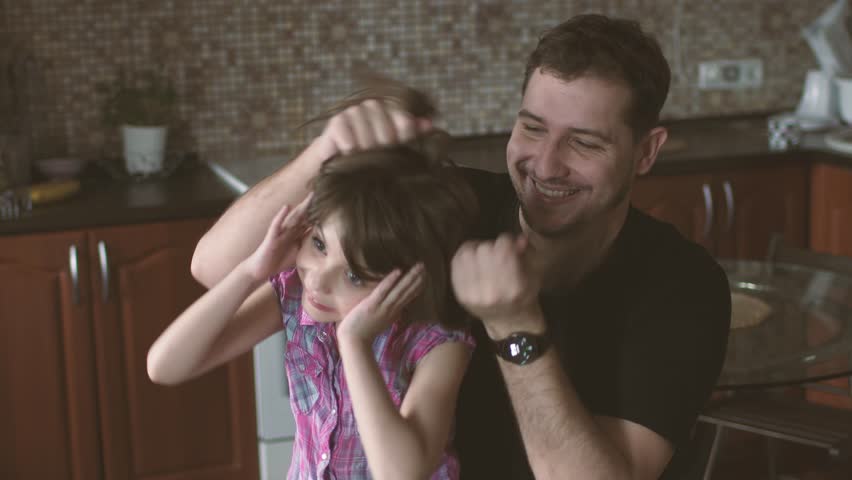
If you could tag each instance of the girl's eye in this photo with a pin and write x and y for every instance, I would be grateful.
(318, 243)
(354, 279)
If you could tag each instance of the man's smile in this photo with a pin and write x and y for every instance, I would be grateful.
(555, 192)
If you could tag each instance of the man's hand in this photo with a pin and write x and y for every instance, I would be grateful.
(369, 124)
(493, 282)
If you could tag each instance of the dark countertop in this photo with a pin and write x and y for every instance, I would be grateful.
(191, 191)
(693, 146)
(196, 191)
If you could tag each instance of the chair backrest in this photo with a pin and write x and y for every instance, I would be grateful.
(781, 253)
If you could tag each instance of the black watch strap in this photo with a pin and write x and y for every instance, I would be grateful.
(521, 348)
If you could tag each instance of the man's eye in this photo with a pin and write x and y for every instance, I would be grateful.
(318, 244)
(354, 279)
(532, 128)
(590, 146)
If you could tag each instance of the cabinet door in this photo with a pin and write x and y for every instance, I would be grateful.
(831, 209)
(686, 201)
(760, 202)
(831, 232)
(204, 429)
(48, 408)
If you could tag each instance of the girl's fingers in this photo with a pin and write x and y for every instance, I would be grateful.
(383, 288)
(411, 292)
(307, 200)
(296, 216)
(404, 290)
(279, 217)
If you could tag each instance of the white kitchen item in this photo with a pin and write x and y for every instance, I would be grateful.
(144, 149)
(812, 124)
(60, 168)
(844, 97)
(828, 37)
(818, 105)
(276, 427)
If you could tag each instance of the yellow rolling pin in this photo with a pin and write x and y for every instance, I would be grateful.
(47, 192)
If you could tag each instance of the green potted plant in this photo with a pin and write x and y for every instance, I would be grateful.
(142, 106)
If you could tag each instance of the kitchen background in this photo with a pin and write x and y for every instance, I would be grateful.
(249, 72)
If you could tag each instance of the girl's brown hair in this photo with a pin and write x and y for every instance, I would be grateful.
(400, 205)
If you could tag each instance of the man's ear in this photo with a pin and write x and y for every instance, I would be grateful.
(648, 148)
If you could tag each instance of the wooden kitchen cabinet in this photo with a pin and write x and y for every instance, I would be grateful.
(763, 201)
(685, 201)
(831, 209)
(48, 396)
(733, 213)
(133, 280)
(831, 232)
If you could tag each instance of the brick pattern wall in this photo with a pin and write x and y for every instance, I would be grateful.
(250, 71)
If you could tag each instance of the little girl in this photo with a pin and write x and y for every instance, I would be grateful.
(360, 277)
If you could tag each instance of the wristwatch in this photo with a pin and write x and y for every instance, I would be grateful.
(521, 348)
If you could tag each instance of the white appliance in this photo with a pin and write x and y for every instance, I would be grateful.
(829, 38)
(817, 108)
(276, 426)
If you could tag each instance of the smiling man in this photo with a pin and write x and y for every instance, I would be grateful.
(601, 331)
(561, 120)
(609, 327)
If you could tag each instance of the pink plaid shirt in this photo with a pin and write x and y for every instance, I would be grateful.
(327, 444)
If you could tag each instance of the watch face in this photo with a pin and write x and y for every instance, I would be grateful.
(519, 349)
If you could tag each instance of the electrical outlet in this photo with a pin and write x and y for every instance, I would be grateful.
(730, 74)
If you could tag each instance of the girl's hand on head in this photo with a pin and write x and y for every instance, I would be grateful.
(370, 124)
(278, 250)
(383, 306)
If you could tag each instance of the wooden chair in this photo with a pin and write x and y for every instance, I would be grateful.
(773, 414)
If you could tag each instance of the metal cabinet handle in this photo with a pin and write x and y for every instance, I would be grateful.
(103, 260)
(708, 210)
(75, 274)
(729, 202)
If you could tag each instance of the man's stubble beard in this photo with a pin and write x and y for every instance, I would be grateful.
(580, 224)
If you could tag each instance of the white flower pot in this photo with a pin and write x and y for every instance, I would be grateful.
(144, 148)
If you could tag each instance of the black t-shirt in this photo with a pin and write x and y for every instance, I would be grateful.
(641, 338)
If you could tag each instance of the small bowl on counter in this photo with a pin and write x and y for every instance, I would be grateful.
(60, 168)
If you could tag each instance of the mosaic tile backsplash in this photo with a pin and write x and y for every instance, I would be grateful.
(248, 72)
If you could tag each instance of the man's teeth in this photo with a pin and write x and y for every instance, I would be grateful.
(555, 193)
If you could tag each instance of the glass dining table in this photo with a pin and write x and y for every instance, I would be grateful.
(791, 324)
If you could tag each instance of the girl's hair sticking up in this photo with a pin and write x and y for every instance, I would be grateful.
(400, 205)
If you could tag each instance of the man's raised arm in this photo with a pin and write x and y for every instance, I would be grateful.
(241, 228)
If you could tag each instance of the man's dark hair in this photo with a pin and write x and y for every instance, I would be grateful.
(612, 49)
